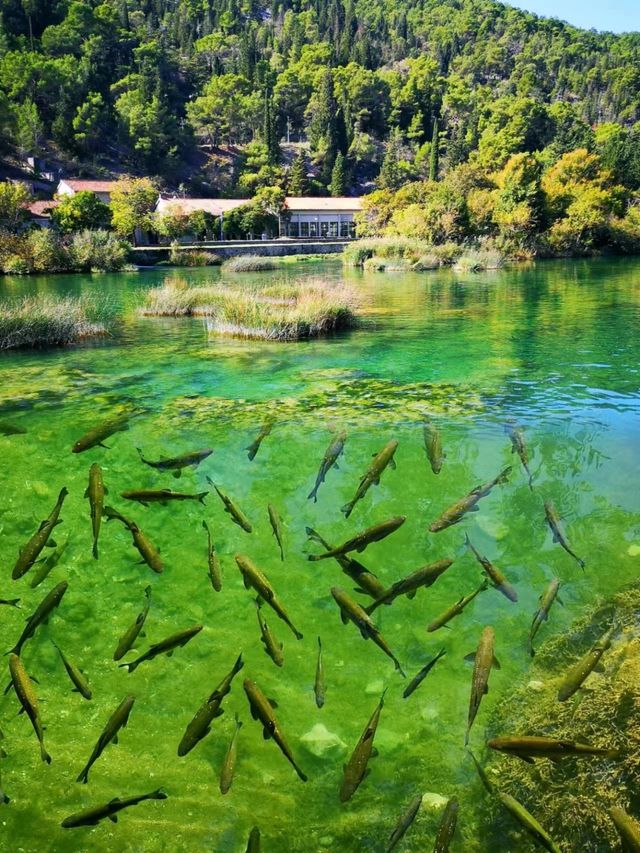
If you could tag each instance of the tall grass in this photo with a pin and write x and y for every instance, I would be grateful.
(384, 252)
(284, 311)
(478, 260)
(41, 321)
(249, 263)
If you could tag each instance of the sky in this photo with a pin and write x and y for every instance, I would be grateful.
(614, 15)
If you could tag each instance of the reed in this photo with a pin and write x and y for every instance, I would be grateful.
(249, 263)
(43, 321)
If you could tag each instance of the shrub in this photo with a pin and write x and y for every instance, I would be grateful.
(40, 321)
(478, 260)
(249, 263)
(15, 265)
(98, 251)
(46, 252)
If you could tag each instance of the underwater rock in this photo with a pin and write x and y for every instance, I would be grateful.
(319, 741)
(536, 685)
(633, 550)
(374, 688)
(434, 802)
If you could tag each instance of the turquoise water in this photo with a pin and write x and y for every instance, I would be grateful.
(555, 346)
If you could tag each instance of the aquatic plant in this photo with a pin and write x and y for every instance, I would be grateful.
(283, 311)
(478, 260)
(249, 263)
(40, 321)
(188, 258)
(575, 795)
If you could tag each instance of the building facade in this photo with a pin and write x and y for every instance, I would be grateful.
(71, 186)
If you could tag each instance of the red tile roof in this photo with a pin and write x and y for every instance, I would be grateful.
(90, 186)
(42, 208)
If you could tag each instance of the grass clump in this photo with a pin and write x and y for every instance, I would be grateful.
(479, 260)
(42, 321)
(394, 253)
(249, 263)
(192, 258)
(284, 311)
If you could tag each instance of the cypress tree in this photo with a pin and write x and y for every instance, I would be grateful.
(434, 160)
(269, 134)
(298, 183)
(338, 185)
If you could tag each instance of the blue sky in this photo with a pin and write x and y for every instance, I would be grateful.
(614, 15)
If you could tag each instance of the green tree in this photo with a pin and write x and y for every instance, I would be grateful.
(338, 185)
(297, 178)
(28, 127)
(13, 201)
(132, 204)
(81, 212)
(322, 129)
(90, 123)
(269, 133)
(434, 156)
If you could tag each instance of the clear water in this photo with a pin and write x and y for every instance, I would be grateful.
(556, 346)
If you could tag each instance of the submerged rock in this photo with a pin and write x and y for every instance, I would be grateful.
(319, 741)
(434, 802)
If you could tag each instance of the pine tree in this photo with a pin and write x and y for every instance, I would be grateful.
(298, 184)
(338, 185)
(323, 129)
(391, 174)
(434, 160)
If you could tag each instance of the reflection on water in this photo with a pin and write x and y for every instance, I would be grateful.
(555, 346)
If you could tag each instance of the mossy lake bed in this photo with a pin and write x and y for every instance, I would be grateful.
(554, 346)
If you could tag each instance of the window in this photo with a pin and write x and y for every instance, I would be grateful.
(313, 229)
(352, 229)
(324, 230)
(294, 230)
(344, 228)
(333, 229)
(304, 229)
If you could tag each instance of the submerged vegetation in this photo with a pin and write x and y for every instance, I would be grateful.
(285, 311)
(42, 321)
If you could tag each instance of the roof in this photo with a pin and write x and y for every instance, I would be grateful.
(323, 203)
(78, 185)
(42, 208)
(296, 204)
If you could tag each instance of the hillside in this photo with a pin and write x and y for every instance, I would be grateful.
(203, 92)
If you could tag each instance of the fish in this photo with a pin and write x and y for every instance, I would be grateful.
(372, 476)
(175, 464)
(76, 675)
(161, 496)
(118, 720)
(96, 436)
(254, 447)
(234, 510)
(30, 552)
(7, 428)
(147, 550)
(271, 646)
(164, 647)
(213, 561)
(93, 815)
(28, 699)
(129, 637)
(494, 574)
(456, 609)
(469, 503)
(484, 659)
(367, 582)
(10, 602)
(628, 829)
(229, 763)
(329, 461)
(261, 709)
(319, 685)
(356, 770)
(447, 827)
(276, 526)
(529, 747)
(404, 823)
(360, 541)
(433, 446)
(417, 680)
(553, 520)
(48, 564)
(526, 820)
(253, 844)
(200, 725)
(253, 577)
(42, 612)
(96, 491)
(519, 446)
(350, 610)
(577, 674)
(542, 613)
(423, 577)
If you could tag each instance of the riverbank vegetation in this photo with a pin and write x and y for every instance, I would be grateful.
(249, 263)
(42, 321)
(45, 250)
(284, 311)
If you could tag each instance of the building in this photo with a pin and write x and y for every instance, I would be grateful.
(312, 218)
(71, 186)
(40, 212)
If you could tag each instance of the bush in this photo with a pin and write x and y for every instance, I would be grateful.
(46, 251)
(99, 251)
(478, 260)
(44, 321)
(191, 258)
(15, 265)
(249, 263)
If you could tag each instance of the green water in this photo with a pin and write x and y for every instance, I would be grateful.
(556, 346)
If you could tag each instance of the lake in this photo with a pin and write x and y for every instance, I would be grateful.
(554, 346)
